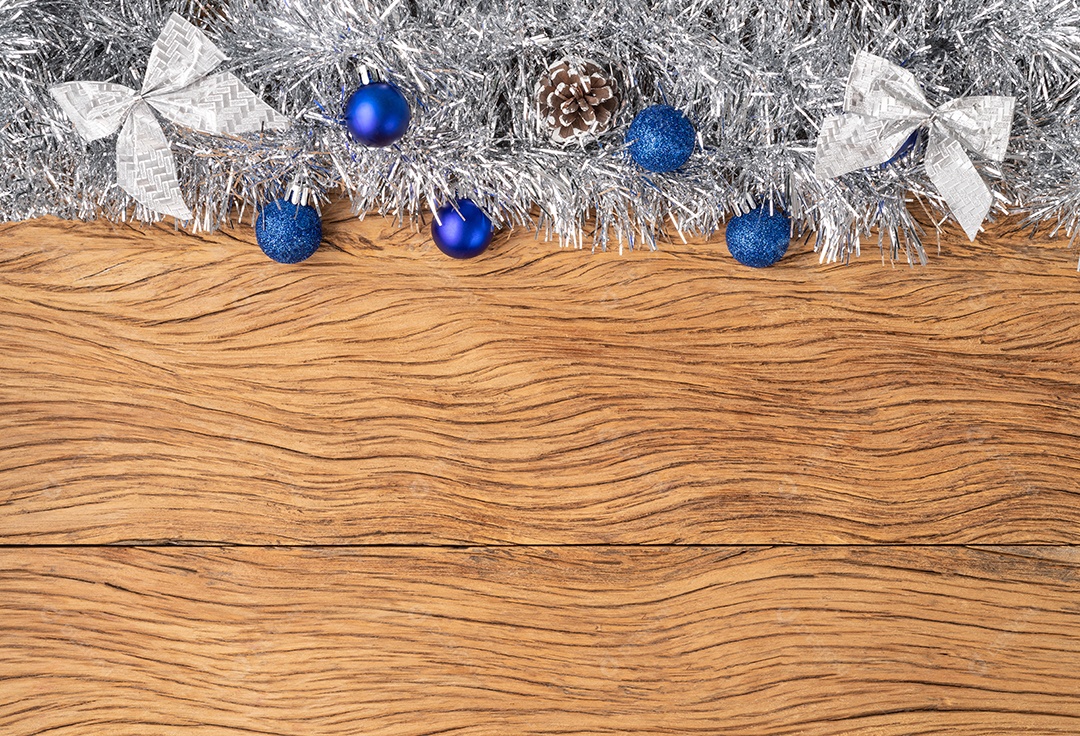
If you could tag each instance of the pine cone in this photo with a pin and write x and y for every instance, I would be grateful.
(576, 100)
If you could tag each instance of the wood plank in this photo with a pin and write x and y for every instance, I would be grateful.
(160, 387)
(584, 640)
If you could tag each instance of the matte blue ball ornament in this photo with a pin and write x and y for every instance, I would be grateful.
(661, 138)
(759, 238)
(462, 233)
(288, 232)
(377, 114)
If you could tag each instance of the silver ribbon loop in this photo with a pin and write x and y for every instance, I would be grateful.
(883, 106)
(178, 85)
(111, 103)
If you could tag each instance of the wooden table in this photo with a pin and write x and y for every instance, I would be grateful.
(541, 492)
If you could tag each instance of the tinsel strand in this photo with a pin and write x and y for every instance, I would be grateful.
(756, 79)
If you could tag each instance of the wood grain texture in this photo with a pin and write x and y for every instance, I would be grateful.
(748, 641)
(163, 387)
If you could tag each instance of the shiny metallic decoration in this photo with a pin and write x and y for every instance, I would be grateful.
(178, 85)
(756, 80)
(884, 105)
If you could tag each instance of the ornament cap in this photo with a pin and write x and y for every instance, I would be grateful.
(298, 192)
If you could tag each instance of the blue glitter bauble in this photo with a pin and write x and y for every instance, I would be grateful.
(661, 138)
(759, 239)
(461, 233)
(287, 232)
(377, 114)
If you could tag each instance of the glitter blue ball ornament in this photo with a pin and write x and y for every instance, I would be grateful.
(759, 238)
(660, 138)
(377, 114)
(462, 233)
(288, 232)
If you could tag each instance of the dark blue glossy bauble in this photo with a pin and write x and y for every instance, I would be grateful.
(462, 233)
(287, 232)
(660, 138)
(759, 239)
(377, 114)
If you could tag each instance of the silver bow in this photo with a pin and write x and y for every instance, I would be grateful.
(178, 84)
(883, 105)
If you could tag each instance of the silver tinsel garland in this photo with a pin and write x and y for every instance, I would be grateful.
(757, 80)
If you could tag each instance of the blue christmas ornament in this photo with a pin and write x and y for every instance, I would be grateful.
(288, 232)
(660, 138)
(377, 114)
(759, 239)
(461, 233)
